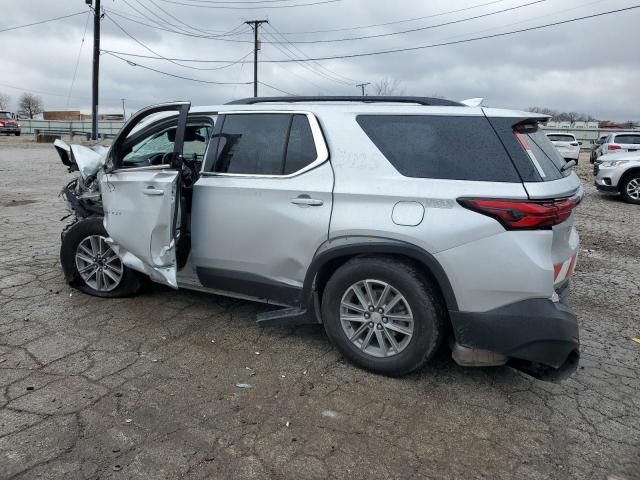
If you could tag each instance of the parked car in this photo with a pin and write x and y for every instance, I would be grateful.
(621, 142)
(566, 144)
(619, 173)
(595, 151)
(369, 217)
(9, 124)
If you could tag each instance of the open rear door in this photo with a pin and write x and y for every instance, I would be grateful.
(141, 201)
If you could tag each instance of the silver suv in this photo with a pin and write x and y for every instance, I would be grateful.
(619, 173)
(396, 222)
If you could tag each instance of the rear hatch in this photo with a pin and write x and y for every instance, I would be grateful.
(553, 187)
(624, 142)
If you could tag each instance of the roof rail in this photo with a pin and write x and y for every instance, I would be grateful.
(347, 98)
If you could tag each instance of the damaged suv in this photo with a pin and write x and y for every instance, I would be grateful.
(369, 217)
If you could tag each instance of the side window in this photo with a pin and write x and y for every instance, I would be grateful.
(144, 152)
(301, 149)
(444, 147)
(195, 141)
(151, 150)
(253, 143)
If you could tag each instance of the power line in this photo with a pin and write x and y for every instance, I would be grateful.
(332, 75)
(420, 47)
(42, 21)
(419, 29)
(133, 64)
(458, 42)
(159, 56)
(277, 89)
(287, 52)
(221, 7)
(75, 71)
(344, 29)
(213, 33)
(193, 35)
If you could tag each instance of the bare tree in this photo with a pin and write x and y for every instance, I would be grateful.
(30, 105)
(387, 87)
(4, 101)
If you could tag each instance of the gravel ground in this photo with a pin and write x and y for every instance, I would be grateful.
(144, 388)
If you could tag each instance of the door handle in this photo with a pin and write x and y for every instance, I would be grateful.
(306, 201)
(151, 191)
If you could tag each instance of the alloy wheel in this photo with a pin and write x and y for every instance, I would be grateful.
(376, 318)
(98, 264)
(633, 188)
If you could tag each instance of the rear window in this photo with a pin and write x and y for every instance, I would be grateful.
(546, 159)
(632, 139)
(442, 147)
(561, 138)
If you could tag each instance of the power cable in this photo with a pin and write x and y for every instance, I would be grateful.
(211, 82)
(458, 42)
(75, 71)
(406, 20)
(221, 7)
(277, 89)
(158, 55)
(42, 21)
(419, 29)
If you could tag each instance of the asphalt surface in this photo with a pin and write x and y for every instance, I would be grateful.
(145, 388)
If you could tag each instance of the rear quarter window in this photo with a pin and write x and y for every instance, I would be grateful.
(440, 147)
(549, 161)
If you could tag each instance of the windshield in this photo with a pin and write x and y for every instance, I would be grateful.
(5, 115)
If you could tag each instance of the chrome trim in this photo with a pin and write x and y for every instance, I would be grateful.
(318, 140)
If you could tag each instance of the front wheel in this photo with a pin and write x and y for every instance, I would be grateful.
(383, 315)
(91, 266)
(631, 188)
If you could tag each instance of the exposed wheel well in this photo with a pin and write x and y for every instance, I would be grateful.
(626, 175)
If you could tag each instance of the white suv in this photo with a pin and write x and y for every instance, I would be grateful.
(566, 144)
(366, 215)
(621, 142)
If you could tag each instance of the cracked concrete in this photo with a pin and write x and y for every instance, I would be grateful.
(144, 388)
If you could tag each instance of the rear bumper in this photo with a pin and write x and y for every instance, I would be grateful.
(535, 330)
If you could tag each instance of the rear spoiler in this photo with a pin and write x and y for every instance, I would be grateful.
(473, 102)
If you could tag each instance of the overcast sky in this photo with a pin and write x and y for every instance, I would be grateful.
(592, 66)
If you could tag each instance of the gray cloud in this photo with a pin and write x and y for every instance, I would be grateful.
(590, 66)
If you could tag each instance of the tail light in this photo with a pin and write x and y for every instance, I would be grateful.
(523, 214)
(613, 147)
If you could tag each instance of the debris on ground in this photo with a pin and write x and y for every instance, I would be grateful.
(244, 385)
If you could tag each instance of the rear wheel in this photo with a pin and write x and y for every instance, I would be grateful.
(90, 265)
(631, 188)
(17, 134)
(382, 315)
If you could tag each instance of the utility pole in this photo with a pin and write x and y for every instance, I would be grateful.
(96, 67)
(255, 24)
(362, 85)
(124, 111)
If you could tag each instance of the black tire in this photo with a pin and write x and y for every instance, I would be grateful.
(17, 134)
(635, 176)
(422, 298)
(129, 283)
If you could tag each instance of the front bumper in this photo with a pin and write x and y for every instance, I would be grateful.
(5, 129)
(536, 330)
